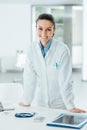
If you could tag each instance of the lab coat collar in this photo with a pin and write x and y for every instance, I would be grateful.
(51, 49)
(46, 48)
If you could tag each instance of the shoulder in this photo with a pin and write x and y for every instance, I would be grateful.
(61, 46)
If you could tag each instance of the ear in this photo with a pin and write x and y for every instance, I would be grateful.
(54, 31)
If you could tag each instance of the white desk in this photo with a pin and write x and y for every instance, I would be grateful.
(9, 122)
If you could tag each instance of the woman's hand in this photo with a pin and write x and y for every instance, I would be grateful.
(24, 105)
(77, 110)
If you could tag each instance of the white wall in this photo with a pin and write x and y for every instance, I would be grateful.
(14, 28)
(84, 66)
(14, 31)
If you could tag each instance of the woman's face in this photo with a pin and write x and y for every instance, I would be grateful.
(45, 30)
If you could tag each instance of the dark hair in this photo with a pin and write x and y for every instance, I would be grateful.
(46, 17)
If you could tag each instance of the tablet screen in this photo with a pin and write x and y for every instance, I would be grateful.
(70, 119)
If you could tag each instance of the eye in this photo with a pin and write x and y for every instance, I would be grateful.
(40, 29)
(49, 29)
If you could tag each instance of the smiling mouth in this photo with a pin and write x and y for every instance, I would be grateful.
(43, 37)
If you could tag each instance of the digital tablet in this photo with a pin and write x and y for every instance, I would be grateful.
(69, 121)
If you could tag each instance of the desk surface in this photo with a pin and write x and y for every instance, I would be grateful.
(9, 122)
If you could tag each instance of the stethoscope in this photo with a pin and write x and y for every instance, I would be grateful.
(24, 115)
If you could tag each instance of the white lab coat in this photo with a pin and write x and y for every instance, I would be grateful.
(49, 78)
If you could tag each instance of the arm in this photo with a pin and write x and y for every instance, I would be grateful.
(29, 82)
(66, 82)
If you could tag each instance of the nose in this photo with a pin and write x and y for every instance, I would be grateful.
(44, 33)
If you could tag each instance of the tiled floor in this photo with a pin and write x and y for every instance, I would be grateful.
(79, 86)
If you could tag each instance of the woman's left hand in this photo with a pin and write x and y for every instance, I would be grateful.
(77, 110)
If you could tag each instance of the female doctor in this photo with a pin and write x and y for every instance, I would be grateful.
(48, 69)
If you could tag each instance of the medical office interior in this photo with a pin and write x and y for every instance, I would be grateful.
(17, 31)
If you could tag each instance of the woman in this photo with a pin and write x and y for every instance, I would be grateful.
(48, 69)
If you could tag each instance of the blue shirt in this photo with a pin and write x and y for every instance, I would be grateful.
(45, 49)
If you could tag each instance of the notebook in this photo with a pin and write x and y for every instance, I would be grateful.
(76, 121)
(5, 106)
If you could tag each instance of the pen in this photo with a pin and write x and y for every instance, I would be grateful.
(56, 65)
